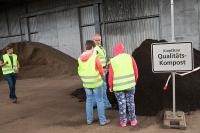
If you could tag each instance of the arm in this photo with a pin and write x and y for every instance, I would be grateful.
(110, 78)
(99, 66)
(2, 63)
(135, 68)
(18, 65)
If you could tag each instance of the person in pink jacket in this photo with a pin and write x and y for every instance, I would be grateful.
(125, 97)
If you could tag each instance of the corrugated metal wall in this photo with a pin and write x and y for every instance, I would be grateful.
(9, 24)
(129, 22)
(124, 9)
(87, 23)
(3, 25)
(59, 30)
(130, 33)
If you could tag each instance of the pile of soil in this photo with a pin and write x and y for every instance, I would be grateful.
(150, 98)
(40, 60)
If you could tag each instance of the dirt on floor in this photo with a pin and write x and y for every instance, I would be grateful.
(46, 106)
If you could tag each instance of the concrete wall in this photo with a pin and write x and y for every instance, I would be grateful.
(186, 21)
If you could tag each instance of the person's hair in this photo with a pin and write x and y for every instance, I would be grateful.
(89, 44)
(8, 47)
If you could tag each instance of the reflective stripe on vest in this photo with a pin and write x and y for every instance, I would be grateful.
(88, 73)
(8, 68)
(123, 72)
(101, 53)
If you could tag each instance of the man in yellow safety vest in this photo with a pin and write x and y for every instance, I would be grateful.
(10, 67)
(101, 53)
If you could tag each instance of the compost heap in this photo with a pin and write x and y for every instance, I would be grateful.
(150, 98)
(39, 60)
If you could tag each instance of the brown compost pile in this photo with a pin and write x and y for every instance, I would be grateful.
(39, 60)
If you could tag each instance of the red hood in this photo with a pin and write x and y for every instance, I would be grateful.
(86, 55)
(118, 49)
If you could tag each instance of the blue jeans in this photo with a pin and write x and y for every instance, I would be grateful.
(105, 98)
(98, 95)
(126, 100)
(11, 79)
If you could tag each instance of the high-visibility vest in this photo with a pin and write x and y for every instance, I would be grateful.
(101, 53)
(88, 73)
(9, 68)
(124, 77)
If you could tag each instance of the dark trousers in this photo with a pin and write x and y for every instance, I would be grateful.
(11, 79)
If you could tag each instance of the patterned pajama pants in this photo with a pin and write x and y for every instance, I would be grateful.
(126, 100)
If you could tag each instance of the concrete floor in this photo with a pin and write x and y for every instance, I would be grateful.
(46, 106)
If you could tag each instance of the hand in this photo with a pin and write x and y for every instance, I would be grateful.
(16, 70)
(5, 63)
(110, 89)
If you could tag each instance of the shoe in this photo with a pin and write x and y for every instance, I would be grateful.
(108, 107)
(105, 123)
(123, 123)
(14, 100)
(89, 122)
(134, 122)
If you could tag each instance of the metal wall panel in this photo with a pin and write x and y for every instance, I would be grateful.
(13, 19)
(130, 33)
(49, 4)
(40, 5)
(58, 3)
(73, 2)
(87, 15)
(59, 30)
(125, 9)
(3, 25)
(47, 29)
(87, 33)
(5, 41)
(69, 33)
(33, 24)
(34, 37)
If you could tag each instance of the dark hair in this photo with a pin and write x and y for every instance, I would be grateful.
(89, 44)
(8, 47)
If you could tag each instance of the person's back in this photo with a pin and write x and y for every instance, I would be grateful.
(91, 72)
(123, 75)
(122, 67)
(89, 75)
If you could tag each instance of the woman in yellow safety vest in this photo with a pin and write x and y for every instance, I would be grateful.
(91, 72)
(10, 66)
(123, 74)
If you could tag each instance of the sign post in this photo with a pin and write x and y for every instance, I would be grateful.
(173, 40)
(171, 58)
